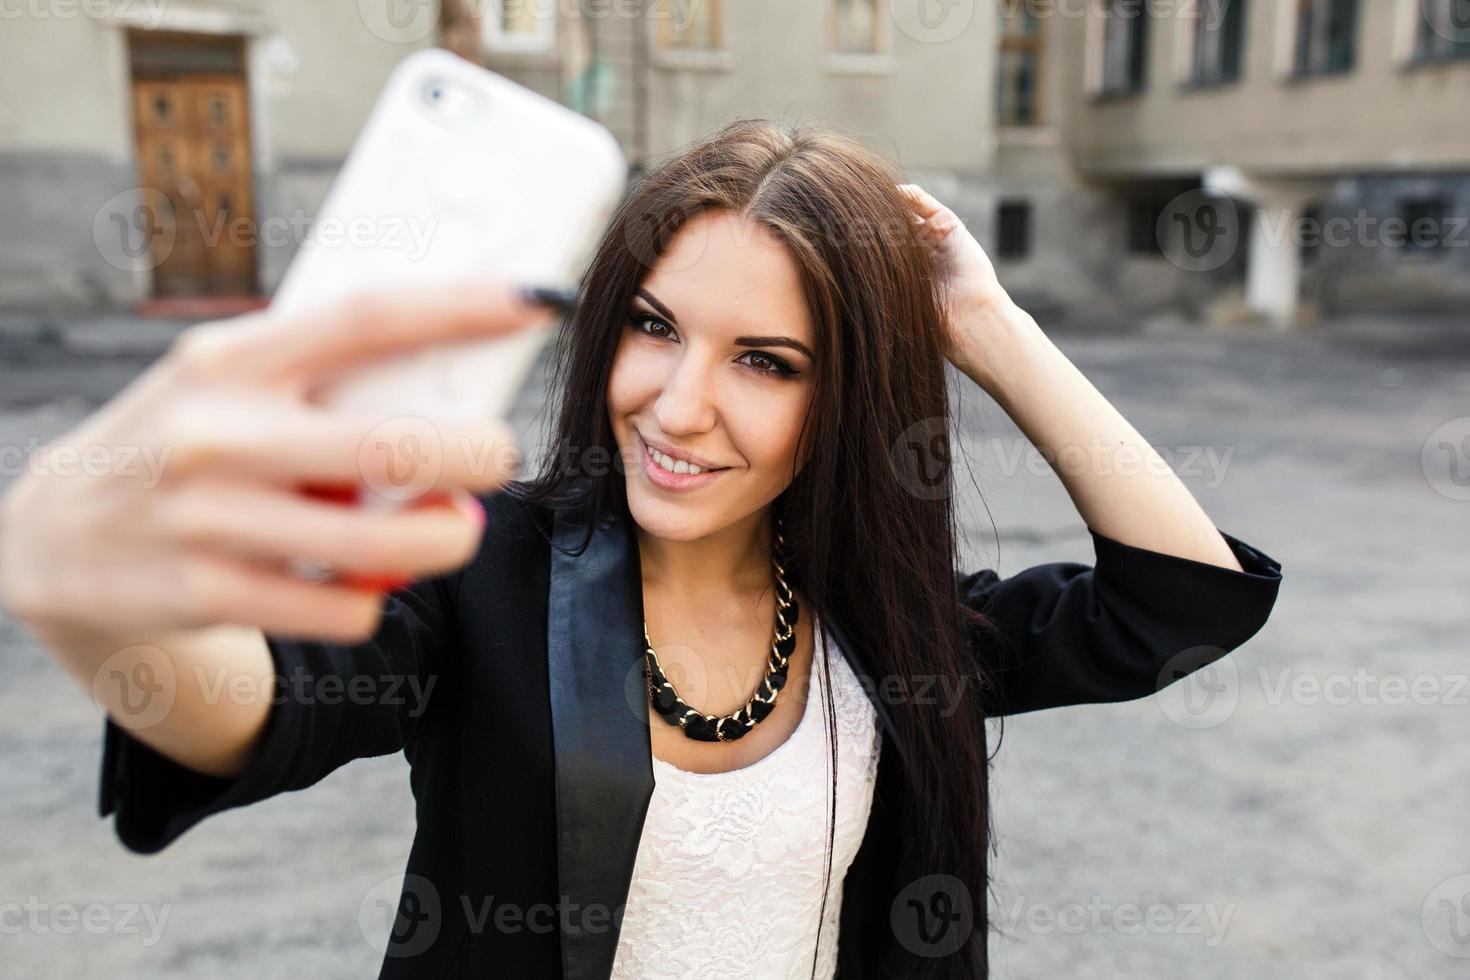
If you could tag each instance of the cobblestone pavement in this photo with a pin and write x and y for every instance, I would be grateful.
(1309, 822)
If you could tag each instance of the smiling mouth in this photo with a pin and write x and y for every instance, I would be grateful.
(667, 466)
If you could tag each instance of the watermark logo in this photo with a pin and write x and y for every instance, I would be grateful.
(1448, 19)
(146, 464)
(649, 237)
(932, 21)
(1197, 689)
(40, 918)
(1446, 917)
(686, 671)
(138, 229)
(401, 915)
(401, 458)
(141, 684)
(933, 916)
(399, 21)
(147, 14)
(921, 459)
(1445, 459)
(135, 230)
(1100, 916)
(1199, 231)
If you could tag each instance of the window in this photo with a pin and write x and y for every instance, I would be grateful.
(1218, 37)
(1018, 102)
(1444, 30)
(1143, 227)
(1311, 236)
(1425, 220)
(1013, 230)
(1326, 36)
(855, 27)
(692, 26)
(1125, 45)
(520, 25)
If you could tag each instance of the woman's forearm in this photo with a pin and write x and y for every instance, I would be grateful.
(1120, 484)
(200, 697)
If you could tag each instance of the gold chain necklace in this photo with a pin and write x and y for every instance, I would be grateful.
(710, 728)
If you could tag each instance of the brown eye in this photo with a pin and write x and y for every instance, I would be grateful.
(636, 320)
(772, 364)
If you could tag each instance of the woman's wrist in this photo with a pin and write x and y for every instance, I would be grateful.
(993, 337)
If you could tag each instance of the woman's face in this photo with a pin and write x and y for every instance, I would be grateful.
(715, 364)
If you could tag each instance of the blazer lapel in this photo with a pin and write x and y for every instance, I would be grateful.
(604, 776)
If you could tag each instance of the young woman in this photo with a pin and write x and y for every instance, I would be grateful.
(707, 696)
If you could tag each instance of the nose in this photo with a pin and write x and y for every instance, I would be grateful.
(685, 405)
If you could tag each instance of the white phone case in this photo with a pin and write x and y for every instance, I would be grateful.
(458, 172)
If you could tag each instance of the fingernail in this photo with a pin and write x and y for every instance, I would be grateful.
(330, 492)
(558, 298)
(378, 583)
(472, 508)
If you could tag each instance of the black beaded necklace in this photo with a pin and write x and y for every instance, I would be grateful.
(709, 728)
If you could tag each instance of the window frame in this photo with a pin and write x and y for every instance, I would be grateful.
(1430, 207)
(1227, 71)
(1141, 225)
(1314, 23)
(834, 33)
(878, 60)
(1006, 249)
(1135, 80)
(715, 57)
(496, 40)
(1023, 44)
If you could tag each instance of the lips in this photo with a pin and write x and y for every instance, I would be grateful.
(665, 480)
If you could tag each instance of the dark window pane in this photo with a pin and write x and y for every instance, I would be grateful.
(1143, 222)
(1138, 50)
(1232, 41)
(1013, 230)
(1342, 35)
(1311, 234)
(1125, 47)
(1425, 220)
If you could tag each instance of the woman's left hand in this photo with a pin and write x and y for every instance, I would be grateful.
(978, 306)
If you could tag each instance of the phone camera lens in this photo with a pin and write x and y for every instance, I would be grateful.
(447, 100)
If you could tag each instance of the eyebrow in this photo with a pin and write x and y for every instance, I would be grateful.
(790, 342)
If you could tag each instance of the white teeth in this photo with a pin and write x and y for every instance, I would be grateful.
(672, 465)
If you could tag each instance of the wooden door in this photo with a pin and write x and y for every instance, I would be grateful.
(193, 139)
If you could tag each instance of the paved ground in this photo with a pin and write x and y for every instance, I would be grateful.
(1308, 822)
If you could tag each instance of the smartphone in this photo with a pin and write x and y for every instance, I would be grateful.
(458, 172)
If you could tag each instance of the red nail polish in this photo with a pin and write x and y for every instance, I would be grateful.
(377, 583)
(332, 493)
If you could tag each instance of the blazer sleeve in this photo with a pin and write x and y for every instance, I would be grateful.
(332, 703)
(1135, 621)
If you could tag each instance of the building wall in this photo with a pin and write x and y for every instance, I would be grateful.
(1385, 132)
(66, 138)
(1387, 113)
(925, 99)
(1375, 137)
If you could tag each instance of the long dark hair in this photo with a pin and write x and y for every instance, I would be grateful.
(870, 528)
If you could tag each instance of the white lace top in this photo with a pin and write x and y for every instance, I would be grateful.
(728, 877)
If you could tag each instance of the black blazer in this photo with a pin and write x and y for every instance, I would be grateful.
(530, 756)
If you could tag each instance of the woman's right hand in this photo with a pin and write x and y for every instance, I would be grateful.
(188, 504)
